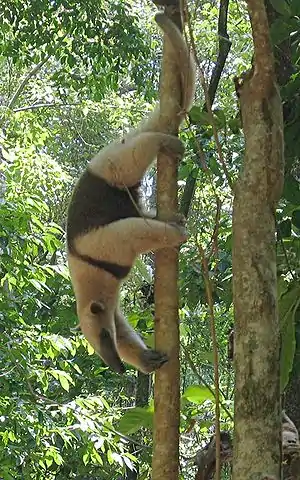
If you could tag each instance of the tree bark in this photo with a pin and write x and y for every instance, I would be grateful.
(257, 439)
(167, 384)
(284, 69)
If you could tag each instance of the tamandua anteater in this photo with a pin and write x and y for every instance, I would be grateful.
(107, 229)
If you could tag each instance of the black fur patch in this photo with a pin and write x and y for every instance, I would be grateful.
(95, 203)
(118, 271)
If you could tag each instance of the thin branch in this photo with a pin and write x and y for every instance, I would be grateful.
(4, 374)
(45, 105)
(209, 296)
(31, 74)
(223, 51)
(214, 237)
(24, 82)
(41, 398)
(208, 106)
(224, 48)
(202, 379)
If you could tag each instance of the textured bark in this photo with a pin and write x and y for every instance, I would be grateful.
(167, 383)
(257, 438)
(205, 458)
(284, 69)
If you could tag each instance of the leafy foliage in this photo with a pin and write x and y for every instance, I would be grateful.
(62, 413)
(89, 41)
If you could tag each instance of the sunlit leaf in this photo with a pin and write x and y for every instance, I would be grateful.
(288, 304)
(134, 419)
(198, 394)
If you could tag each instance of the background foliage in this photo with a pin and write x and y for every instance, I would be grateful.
(73, 76)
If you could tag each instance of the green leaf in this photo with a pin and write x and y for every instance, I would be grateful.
(234, 125)
(64, 378)
(6, 476)
(296, 218)
(57, 457)
(64, 383)
(142, 270)
(96, 457)
(284, 228)
(117, 458)
(206, 357)
(129, 461)
(280, 30)
(295, 7)
(134, 419)
(199, 116)
(85, 458)
(11, 436)
(220, 118)
(77, 368)
(109, 457)
(281, 7)
(49, 461)
(291, 190)
(214, 167)
(288, 305)
(198, 394)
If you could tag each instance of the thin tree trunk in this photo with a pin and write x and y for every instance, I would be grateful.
(257, 439)
(167, 384)
(284, 69)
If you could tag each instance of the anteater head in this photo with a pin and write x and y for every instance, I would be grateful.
(97, 323)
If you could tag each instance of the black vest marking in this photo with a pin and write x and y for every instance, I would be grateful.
(96, 203)
(117, 271)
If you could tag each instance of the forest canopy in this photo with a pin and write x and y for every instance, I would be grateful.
(75, 76)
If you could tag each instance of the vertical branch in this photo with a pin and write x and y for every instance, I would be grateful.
(167, 383)
(223, 51)
(257, 343)
(209, 296)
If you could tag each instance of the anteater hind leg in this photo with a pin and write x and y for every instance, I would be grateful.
(132, 349)
(124, 164)
(121, 241)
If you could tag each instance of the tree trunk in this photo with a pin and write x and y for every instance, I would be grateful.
(167, 384)
(257, 439)
(284, 70)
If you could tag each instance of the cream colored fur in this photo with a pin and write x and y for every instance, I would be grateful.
(122, 164)
(120, 242)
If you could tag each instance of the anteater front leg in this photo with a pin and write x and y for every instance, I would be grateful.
(132, 349)
(122, 241)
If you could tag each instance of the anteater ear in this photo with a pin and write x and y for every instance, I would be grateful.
(97, 307)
